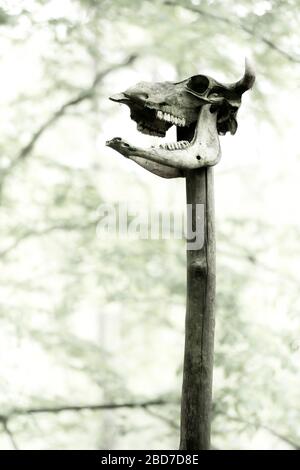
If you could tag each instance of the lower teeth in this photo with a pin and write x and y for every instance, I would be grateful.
(176, 145)
(169, 146)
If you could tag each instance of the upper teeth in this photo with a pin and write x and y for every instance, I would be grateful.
(146, 130)
(170, 118)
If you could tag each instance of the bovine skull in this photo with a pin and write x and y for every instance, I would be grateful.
(155, 107)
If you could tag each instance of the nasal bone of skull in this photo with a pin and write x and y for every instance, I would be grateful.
(119, 98)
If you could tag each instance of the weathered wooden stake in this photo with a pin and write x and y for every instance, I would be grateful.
(200, 321)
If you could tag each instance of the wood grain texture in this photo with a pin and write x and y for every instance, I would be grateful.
(200, 319)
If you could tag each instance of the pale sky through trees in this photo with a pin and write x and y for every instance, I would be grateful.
(89, 322)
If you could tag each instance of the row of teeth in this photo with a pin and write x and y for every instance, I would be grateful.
(170, 118)
(148, 131)
(176, 145)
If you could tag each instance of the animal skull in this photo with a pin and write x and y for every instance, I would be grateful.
(200, 104)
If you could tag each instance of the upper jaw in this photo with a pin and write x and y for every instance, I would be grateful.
(151, 118)
(155, 119)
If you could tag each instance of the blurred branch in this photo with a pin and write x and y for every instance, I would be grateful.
(79, 98)
(284, 438)
(82, 96)
(249, 257)
(4, 419)
(78, 408)
(8, 432)
(170, 422)
(65, 226)
(236, 24)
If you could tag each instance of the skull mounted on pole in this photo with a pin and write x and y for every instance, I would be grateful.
(201, 108)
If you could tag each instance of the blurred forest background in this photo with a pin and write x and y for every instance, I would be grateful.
(92, 329)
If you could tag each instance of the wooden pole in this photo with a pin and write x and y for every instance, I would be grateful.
(199, 327)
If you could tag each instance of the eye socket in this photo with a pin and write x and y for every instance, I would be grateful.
(198, 83)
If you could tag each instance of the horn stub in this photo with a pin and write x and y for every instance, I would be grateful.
(247, 81)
